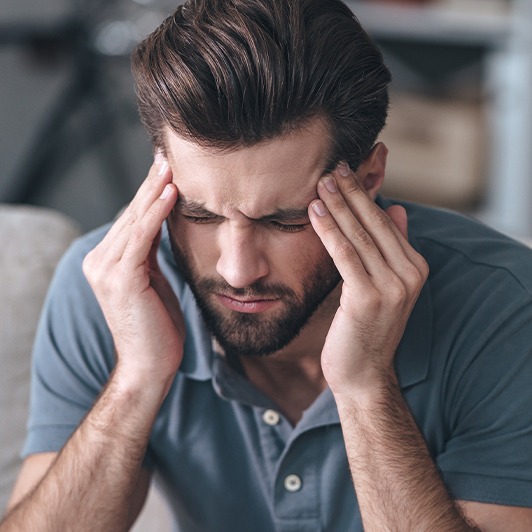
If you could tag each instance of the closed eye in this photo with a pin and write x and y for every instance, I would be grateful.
(287, 228)
(201, 219)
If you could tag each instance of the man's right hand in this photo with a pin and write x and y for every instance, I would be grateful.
(137, 301)
(145, 319)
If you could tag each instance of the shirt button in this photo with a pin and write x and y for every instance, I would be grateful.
(292, 483)
(271, 417)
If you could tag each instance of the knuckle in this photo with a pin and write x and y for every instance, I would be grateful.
(329, 227)
(138, 235)
(352, 186)
(86, 265)
(417, 273)
(344, 250)
(338, 203)
(89, 266)
(396, 291)
(380, 218)
(126, 218)
(326, 227)
(424, 269)
(362, 236)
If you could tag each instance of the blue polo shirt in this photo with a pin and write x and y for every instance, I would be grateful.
(229, 461)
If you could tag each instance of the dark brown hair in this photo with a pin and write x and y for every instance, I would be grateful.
(232, 73)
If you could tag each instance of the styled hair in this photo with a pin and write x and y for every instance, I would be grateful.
(233, 73)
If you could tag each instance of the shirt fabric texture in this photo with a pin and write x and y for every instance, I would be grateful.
(225, 459)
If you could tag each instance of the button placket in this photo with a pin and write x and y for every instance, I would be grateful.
(296, 482)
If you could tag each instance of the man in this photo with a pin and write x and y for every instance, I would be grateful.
(278, 352)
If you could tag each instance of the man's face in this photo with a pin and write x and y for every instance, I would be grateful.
(241, 237)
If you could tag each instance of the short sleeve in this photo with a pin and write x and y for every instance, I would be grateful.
(73, 354)
(488, 403)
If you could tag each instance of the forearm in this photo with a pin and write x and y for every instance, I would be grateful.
(397, 484)
(92, 483)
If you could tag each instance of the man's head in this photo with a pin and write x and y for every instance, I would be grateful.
(233, 73)
(252, 102)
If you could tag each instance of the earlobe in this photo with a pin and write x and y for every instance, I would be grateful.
(373, 169)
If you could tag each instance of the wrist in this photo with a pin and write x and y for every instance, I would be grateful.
(124, 412)
(369, 393)
(132, 383)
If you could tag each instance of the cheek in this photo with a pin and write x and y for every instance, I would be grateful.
(299, 253)
(196, 242)
(199, 241)
(310, 245)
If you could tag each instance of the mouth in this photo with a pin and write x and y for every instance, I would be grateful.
(249, 305)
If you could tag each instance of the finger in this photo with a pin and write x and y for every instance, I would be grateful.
(153, 263)
(399, 218)
(118, 236)
(355, 233)
(158, 177)
(163, 288)
(341, 250)
(391, 241)
(144, 234)
(374, 220)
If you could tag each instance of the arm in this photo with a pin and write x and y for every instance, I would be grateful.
(398, 486)
(35, 467)
(96, 482)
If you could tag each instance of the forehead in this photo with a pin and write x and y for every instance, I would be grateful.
(280, 173)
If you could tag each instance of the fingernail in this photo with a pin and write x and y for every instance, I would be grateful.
(330, 184)
(343, 169)
(166, 192)
(319, 208)
(162, 168)
(158, 157)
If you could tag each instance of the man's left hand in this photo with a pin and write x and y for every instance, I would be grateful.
(382, 278)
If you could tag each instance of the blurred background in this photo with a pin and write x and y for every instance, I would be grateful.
(459, 130)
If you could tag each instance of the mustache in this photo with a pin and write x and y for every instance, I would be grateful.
(258, 290)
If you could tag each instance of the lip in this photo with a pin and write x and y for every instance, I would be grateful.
(248, 306)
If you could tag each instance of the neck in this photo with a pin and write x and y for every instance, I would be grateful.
(293, 377)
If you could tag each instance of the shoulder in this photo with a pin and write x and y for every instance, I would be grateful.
(480, 293)
(456, 244)
(70, 264)
(479, 308)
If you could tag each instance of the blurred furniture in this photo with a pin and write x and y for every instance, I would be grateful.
(442, 42)
(87, 92)
(71, 135)
(32, 240)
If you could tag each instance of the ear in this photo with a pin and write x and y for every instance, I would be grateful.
(372, 170)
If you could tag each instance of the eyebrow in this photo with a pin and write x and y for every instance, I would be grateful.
(286, 215)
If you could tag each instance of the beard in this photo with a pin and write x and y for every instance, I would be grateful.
(254, 334)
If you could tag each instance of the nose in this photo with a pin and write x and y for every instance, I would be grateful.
(242, 261)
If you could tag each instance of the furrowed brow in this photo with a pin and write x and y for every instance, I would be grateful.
(288, 215)
(193, 208)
